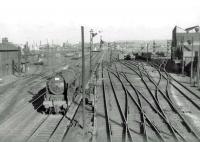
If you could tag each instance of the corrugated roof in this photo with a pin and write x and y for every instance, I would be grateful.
(192, 28)
(180, 30)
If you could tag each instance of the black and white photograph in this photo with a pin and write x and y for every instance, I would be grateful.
(99, 71)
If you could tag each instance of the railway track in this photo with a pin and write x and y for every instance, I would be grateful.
(58, 126)
(55, 127)
(117, 113)
(116, 130)
(178, 85)
(137, 105)
(31, 79)
(149, 90)
(176, 132)
(44, 127)
(108, 125)
(143, 117)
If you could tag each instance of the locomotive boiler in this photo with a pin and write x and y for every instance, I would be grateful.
(61, 90)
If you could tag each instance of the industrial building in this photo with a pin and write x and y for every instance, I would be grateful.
(184, 41)
(185, 48)
(10, 55)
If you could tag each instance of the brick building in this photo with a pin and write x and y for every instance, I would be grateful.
(10, 55)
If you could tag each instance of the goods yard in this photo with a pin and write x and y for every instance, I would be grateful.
(105, 91)
(26, 117)
(100, 71)
(126, 99)
(141, 103)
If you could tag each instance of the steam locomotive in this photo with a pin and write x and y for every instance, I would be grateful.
(61, 89)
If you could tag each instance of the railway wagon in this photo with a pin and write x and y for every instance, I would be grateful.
(61, 90)
(127, 57)
(143, 56)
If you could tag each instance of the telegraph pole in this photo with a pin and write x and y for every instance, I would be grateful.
(91, 43)
(198, 66)
(19, 60)
(147, 52)
(191, 72)
(154, 46)
(110, 54)
(183, 65)
(100, 42)
(83, 77)
(47, 52)
(26, 56)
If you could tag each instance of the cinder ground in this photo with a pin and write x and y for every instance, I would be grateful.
(18, 118)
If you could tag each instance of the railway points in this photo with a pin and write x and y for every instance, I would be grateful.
(144, 96)
(128, 99)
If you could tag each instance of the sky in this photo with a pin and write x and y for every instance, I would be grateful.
(60, 20)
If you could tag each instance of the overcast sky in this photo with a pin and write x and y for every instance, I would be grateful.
(60, 20)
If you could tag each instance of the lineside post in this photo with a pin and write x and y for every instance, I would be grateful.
(26, 56)
(91, 44)
(191, 69)
(83, 77)
(198, 66)
(19, 60)
(147, 52)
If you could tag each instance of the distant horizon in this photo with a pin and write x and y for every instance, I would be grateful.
(60, 21)
(10, 35)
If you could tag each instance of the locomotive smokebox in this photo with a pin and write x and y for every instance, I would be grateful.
(56, 85)
(61, 90)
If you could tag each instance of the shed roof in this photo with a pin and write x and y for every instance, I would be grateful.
(8, 47)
